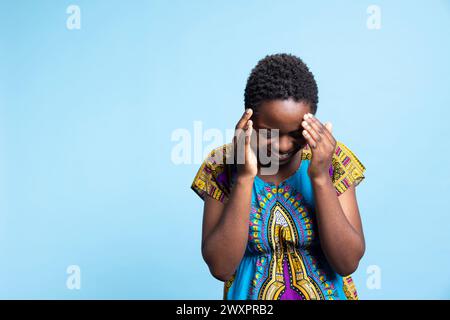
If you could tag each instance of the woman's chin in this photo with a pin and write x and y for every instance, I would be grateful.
(277, 161)
(283, 161)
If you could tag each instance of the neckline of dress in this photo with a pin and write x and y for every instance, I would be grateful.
(288, 178)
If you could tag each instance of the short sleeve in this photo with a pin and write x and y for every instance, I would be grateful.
(213, 178)
(346, 169)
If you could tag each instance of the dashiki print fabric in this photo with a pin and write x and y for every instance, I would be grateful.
(283, 259)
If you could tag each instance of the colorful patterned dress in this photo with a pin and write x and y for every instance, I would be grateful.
(283, 259)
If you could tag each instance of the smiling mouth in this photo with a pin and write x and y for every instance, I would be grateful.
(284, 156)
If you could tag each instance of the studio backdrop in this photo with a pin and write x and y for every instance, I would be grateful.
(96, 95)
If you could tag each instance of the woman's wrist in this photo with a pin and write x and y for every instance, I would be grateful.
(245, 178)
(321, 180)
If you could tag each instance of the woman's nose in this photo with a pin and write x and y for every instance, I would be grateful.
(284, 144)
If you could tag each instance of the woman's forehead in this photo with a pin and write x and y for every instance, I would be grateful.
(281, 114)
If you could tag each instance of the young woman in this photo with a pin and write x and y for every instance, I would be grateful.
(294, 234)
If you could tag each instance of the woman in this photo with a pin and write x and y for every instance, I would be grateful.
(295, 233)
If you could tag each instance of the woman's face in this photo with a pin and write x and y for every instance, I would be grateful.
(286, 116)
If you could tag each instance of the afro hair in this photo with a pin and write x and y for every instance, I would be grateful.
(281, 76)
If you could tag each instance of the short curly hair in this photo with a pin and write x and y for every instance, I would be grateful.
(281, 76)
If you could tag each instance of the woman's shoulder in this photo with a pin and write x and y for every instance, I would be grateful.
(219, 157)
(214, 177)
(346, 169)
(340, 148)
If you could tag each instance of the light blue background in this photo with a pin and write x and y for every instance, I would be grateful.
(86, 117)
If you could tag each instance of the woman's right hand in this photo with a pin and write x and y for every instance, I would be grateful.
(247, 164)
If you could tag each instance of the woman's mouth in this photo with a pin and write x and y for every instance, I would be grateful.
(284, 156)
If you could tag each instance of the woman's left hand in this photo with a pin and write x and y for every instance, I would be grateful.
(322, 145)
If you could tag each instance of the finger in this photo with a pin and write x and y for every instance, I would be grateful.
(326, 132)
(242, 126)
(243, 133)
(323, 131)
(240, 142)
(248, 132)
(245, 117)
(329, 130)
(309, 139)
(312, 132)
(329, 127)
(247, 124)
(316, 125)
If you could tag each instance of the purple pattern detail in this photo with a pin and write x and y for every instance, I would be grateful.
(289, 293)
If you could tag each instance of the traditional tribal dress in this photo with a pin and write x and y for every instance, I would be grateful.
(283, 259)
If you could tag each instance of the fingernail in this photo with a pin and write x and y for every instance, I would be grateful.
(247, 110)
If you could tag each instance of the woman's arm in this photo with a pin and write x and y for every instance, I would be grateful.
(339, 224)
(225, 230)
(225, 226)
(338, 219)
